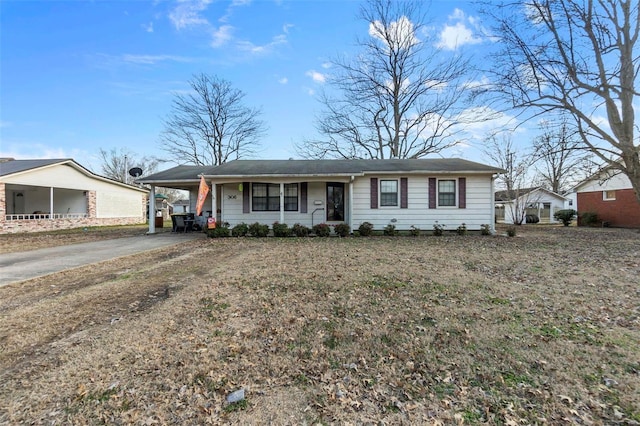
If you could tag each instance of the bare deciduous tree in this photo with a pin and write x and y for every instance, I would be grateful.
(517, 181)
(399, 98)
(210, 125)
(579, 57)
(559, 156)
(116, 163)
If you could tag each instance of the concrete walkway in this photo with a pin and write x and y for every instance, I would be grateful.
(26, 265)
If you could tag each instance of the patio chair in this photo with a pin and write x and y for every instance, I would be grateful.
(179, 224)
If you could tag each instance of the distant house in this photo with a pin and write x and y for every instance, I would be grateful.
(529, 205)
(42, 195)
(610, 195)
(404, 193)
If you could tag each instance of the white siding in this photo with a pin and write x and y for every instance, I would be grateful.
(118, 204)
(418, 213)
(620, 181)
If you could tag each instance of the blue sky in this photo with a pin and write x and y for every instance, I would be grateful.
(79, 76)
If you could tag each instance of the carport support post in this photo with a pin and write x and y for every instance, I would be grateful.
(152, 210)
(492, 225)
(214, 202)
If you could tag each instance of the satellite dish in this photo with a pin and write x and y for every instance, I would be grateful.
(135, 172)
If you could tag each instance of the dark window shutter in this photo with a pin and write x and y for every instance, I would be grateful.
(404, 195)
(462, 193)
(374, 193)
(432, 193)
(303, 197)
(246, 202)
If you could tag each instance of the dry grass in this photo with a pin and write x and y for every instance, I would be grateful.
(10, 243)
(541, 328)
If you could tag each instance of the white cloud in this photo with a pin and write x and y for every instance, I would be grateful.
(222, 36)
(148, 27)
(398, 33)
(264, 49)
(188, 13)
(326, 65)
(311, 92)
(462, 30)
(316, 76)
(152, 59)
(452, 37)
(283, 80)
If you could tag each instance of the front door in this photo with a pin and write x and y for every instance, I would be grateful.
(335, 202)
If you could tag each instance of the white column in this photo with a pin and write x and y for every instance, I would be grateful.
(350, 207)
(492, 225)
(152, 210)
(281, 202)
(214, 203)
(51, 202)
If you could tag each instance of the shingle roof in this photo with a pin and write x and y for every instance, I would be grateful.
(16, 166)
(248, 168)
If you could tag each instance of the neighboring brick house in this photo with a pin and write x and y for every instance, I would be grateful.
(611, 197)
(43, 195)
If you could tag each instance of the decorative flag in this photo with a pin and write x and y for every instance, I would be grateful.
(202, 195)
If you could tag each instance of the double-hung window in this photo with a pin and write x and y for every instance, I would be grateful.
(266, 197)
(446, 193)
(291, 197)
(388, 193)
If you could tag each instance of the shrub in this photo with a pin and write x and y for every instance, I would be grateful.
(462, 229)
(565, 216)
(218, 232)
(342, 229)
(322, 230)
(365, 229)
(300, 230)
(511, 231)
(281, 230)
(485, 229)
(438, 229)
(414, 231)
(588, 218)
(240, 230)
(390, 230)
(259, 230)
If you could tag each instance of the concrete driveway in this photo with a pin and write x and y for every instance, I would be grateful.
(26, 265)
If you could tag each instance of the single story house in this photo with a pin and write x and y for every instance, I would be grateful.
(401, 192)
(610, 195)
(43, 195)
(536, 203)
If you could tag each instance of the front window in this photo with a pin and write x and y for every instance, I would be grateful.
(291, 197)
(266, 197)
(609, 195)
(446, 193)
(388, 192)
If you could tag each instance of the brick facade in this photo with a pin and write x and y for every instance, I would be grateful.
(623, 212)
(17, 226)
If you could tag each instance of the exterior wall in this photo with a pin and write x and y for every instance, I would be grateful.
(230, 205)
(623, 212)
(539, 197)
(112, 204)
(478, 209)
